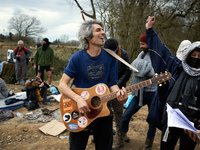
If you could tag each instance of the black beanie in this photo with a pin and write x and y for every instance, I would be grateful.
(111, 44)
(46, 40)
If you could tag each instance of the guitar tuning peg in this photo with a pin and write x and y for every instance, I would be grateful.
(166, 72)
(164, 83)
(156, 74)
(161, 74)
(160, 84)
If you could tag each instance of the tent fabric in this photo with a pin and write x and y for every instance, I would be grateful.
(19, 96)
(1, 66)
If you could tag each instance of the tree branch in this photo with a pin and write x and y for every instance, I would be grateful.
(93, 16)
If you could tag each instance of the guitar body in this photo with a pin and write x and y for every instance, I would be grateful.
(97, 98)
(73, 119)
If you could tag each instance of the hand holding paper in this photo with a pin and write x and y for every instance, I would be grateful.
(177, 119)
(193, 135)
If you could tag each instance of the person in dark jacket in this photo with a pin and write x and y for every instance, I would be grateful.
(182, 92)
(141, 97)
(44, 59)
(124, 74)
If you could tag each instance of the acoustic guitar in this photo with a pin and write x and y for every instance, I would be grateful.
(97, 98)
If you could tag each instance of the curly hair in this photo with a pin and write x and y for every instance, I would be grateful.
(85, 31)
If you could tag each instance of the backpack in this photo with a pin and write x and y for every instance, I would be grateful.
(54, 90)
(25, 51)
(32, 105)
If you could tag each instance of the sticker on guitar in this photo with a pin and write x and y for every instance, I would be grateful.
(67, 117)
(100, 89)
(85, 95)
(82, 122)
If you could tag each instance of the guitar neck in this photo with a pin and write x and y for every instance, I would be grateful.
(113, 95)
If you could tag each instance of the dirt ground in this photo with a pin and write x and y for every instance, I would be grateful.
(18, 133)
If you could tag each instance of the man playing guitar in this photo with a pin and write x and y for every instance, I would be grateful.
(88, 67)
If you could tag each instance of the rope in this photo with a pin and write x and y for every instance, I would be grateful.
(82, 11)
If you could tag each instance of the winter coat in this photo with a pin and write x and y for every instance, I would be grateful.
(44, 57)
(163, 60)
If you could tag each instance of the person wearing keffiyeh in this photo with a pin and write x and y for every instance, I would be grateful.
(182, 92)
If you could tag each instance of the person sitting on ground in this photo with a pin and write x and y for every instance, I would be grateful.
(3, 89)
(37, 91)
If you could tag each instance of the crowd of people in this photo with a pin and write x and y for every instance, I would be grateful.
(182, 92)
(36, 88)
(93, 65)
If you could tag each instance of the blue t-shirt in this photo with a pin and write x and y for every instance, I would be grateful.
(88, 71)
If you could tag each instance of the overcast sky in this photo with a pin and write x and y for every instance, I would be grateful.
(58, 17)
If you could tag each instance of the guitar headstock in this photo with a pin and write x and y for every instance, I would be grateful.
(161, 78)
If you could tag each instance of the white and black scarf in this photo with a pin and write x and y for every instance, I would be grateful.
(189, 70)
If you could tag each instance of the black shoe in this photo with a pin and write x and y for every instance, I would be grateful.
(126, 139)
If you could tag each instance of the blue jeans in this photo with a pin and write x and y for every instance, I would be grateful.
(133, 108)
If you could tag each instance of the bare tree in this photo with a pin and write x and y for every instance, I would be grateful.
(25, 26)
(177, 20)
(64, 38)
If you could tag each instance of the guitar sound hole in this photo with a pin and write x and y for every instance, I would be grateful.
(95, 101)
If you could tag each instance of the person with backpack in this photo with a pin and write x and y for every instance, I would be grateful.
(21, 54)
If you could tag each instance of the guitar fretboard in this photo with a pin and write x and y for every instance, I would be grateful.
(134, 87)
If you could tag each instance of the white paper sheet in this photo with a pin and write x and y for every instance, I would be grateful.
(177, 119)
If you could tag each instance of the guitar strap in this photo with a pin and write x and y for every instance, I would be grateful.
(119, 58)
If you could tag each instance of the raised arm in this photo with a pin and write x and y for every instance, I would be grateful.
(161, 57)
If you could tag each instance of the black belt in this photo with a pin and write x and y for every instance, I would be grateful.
(190, 107)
